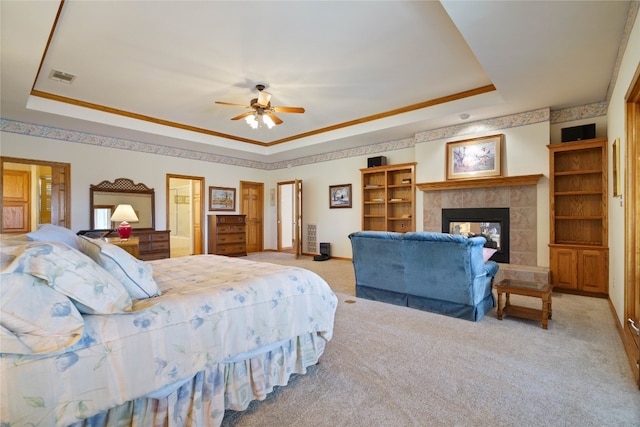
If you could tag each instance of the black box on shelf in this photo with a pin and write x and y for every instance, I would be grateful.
(376, 161)
(579, 133)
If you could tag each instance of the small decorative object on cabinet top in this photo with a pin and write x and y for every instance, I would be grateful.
(340, 196)
(475, 158)
(222, 199)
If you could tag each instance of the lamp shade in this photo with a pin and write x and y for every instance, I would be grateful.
(124, 213)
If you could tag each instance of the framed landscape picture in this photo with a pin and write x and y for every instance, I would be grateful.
(222, 199)
(340, 196)
(475, 158)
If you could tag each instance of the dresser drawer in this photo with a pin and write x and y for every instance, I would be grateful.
(145, 247)
(231, 238)
(230, 219)
(231, 228)
(231, 249)
(154, 244)
(159, 237)
(160, 246)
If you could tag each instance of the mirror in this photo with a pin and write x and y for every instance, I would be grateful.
(106, 196)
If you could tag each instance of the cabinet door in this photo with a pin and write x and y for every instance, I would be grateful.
(563, 268)
(592, 270)
(16, 201)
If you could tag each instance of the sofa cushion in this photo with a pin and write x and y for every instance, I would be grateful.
(436, 272)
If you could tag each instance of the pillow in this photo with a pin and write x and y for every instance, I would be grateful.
(54, 233)
(488, 253)
(44, 320)
(9, 343)
(72, 273)
(135, 275)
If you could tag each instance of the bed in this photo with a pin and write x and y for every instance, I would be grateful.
(189, 338)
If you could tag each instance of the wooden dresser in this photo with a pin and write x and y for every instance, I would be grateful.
(153, 244)
(227, 235)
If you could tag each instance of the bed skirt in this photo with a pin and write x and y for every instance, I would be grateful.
(202, 399)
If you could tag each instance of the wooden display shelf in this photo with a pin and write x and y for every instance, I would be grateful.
(388, 195)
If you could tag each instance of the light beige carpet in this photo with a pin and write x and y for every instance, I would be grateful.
(396, 366)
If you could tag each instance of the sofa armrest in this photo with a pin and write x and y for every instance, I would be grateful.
(491, 267)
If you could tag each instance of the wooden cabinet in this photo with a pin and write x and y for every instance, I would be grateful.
(131, 245)
(227, 235)
(152, 244)
(388, 198)
(579, 256)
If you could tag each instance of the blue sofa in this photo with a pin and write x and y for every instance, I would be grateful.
(436, 272)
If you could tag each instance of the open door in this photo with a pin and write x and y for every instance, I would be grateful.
(49, 183)
(632, 227)
(290, 217)
(185, 213)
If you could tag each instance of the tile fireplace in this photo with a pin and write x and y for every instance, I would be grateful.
(518, 194)
(491, 223)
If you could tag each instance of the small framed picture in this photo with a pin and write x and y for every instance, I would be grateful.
(617, 191)
(222, 199)
(340, 196)
(475, 158)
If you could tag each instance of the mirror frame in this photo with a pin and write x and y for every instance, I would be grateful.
(122, 186)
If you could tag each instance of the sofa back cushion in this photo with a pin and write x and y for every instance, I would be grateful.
(443, 266)
(437, 266)
(378, 261)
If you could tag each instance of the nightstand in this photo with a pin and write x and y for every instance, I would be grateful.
(131, 245)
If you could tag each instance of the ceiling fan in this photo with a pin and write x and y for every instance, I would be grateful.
(262, 110)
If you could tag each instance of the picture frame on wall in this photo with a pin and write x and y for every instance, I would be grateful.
(340, 196)
(475, 158)
(617, 191)
(222, 199)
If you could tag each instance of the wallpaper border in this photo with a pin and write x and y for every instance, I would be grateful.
(503, 122)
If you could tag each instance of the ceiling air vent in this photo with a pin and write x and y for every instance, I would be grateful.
(61, 76)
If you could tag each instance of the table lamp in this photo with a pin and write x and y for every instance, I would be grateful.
(126, 214)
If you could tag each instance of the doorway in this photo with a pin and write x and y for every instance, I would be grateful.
(289, 206)
(632, 226)
(185, 211)
(252, 205)
(34, 192)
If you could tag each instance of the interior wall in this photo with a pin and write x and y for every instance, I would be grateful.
(524, 152)
(333, 225)
(92, 164)
(616, 129)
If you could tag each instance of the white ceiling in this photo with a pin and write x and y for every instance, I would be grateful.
(152, 70)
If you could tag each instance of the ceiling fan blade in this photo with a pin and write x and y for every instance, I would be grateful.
(288, 109)
(233, 105)
(273, 117)
(242, 116)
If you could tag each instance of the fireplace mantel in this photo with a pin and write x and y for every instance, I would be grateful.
(480, 183)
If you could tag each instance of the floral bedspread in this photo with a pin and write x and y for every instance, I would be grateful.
(211, 309)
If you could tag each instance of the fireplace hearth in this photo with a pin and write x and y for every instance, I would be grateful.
(491, 223)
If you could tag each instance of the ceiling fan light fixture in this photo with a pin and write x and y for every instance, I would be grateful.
(264, 98)
(263, 112)
(267, 121)
(251, 121)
